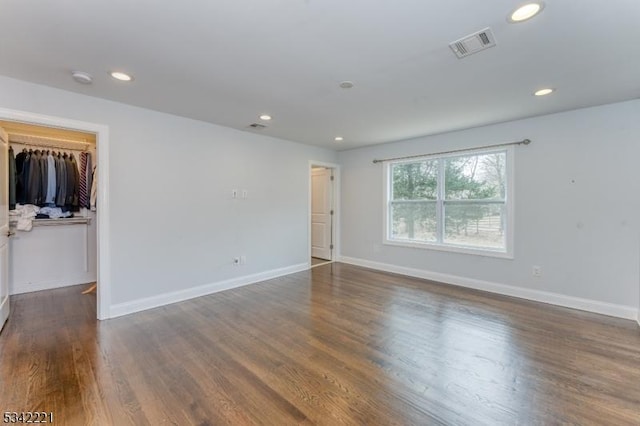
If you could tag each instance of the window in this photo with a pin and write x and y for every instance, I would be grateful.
(456, 202)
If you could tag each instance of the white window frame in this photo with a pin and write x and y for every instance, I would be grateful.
(507, 253)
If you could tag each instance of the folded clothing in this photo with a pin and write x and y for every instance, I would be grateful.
(25, 213)
(55, 212)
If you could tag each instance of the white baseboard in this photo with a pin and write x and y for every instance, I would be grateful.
(21, 288)
(203, 290)
(604, 308)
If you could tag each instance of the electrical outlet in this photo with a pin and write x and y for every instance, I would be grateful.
(536, 271)
(234, 193)
(236, 261)
(245, 193)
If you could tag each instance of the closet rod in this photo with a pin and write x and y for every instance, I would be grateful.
(29, 138)
(46, 143)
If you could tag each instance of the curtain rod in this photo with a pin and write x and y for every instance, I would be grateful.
(522, 142)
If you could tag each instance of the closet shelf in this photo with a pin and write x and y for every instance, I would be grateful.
(57, 222)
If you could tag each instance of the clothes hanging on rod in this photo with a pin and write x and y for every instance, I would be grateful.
(94, 189)
(47, 178)
(22, 171)
(12, 179)
(85, 180)
(52, 181)
(61, 180)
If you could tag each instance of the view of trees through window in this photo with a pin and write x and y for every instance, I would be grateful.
(457, 200)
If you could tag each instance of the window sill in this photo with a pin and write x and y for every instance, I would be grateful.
(450, 249)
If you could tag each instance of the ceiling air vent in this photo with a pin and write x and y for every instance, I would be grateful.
(473, 43)
(257, 126)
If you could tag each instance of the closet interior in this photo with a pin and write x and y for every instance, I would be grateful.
(53, 208)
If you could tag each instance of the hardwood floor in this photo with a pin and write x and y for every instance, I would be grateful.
(335, 345)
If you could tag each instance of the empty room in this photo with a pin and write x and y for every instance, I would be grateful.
(320, 212)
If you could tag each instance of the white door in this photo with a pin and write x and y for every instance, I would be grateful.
(4, 227)
(321, 213)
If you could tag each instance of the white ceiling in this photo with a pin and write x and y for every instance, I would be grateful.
(228, 61)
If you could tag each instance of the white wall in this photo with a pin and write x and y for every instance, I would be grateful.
(173, 223)
(584, 235)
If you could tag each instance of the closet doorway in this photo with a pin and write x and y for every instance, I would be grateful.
(323, 216)
(66, 240)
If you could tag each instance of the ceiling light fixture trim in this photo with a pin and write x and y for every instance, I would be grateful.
(544, 92)
(119, 75)
(525, 12)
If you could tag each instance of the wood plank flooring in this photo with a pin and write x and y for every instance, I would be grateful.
(335, 345)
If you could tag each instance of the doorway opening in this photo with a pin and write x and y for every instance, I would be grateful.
(79, 244)
(323, 218)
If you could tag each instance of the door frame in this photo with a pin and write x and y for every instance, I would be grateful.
(5, 299)
(335, 228)
(103, 215)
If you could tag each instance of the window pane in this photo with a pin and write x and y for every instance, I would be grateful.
(415, 221)
(475, 225)
(414, 181)
(473, 177)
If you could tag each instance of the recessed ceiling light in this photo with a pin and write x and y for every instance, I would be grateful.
(346, 84)
(265, 117)
(526, 11)
(82, 77)
(543, 92)
(121, 76)
(338, 139)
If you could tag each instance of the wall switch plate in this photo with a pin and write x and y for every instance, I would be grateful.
(234, 193)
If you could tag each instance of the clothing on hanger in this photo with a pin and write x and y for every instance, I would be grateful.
(50, 198)
(61, 180)
(21, 163)
(33, 179)
(12, 179)
(83, 189)
(94, 189)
